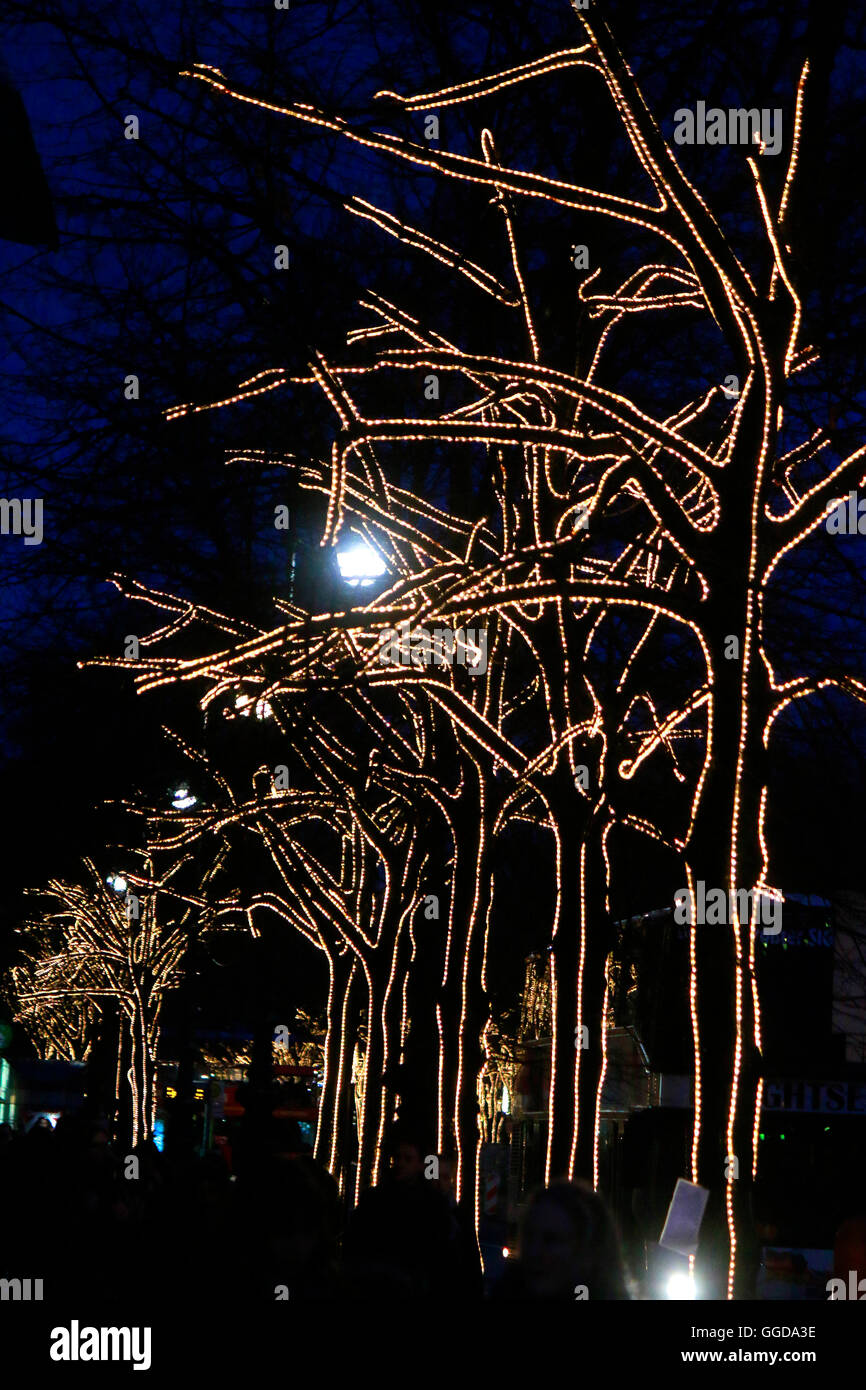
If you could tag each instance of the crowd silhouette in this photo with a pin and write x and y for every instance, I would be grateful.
(89, 1222)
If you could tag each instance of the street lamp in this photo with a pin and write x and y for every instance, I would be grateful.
(360, 565)
(681, 1286)
(245, 705)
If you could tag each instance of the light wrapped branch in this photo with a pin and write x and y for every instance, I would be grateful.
(99, 945)
(609, 528)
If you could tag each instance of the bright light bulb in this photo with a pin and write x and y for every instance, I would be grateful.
(244, 706)
(360, 565)
(117, 882)
(183, 798)
(681, 1286)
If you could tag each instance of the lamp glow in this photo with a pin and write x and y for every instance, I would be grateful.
(681, 1286)
(244, 705)
(360, 564)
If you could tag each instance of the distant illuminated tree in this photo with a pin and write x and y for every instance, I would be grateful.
(60, 1021)
(98, 943)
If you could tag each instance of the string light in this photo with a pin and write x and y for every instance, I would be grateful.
(89, 948)
(563, 454)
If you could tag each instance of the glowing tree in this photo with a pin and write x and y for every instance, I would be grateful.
(99, 943)
(351, 870)
(60, 1021)
(612, 531)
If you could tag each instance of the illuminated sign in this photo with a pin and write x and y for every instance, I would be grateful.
(816, 1097)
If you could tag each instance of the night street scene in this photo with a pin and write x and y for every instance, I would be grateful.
(433, 689)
